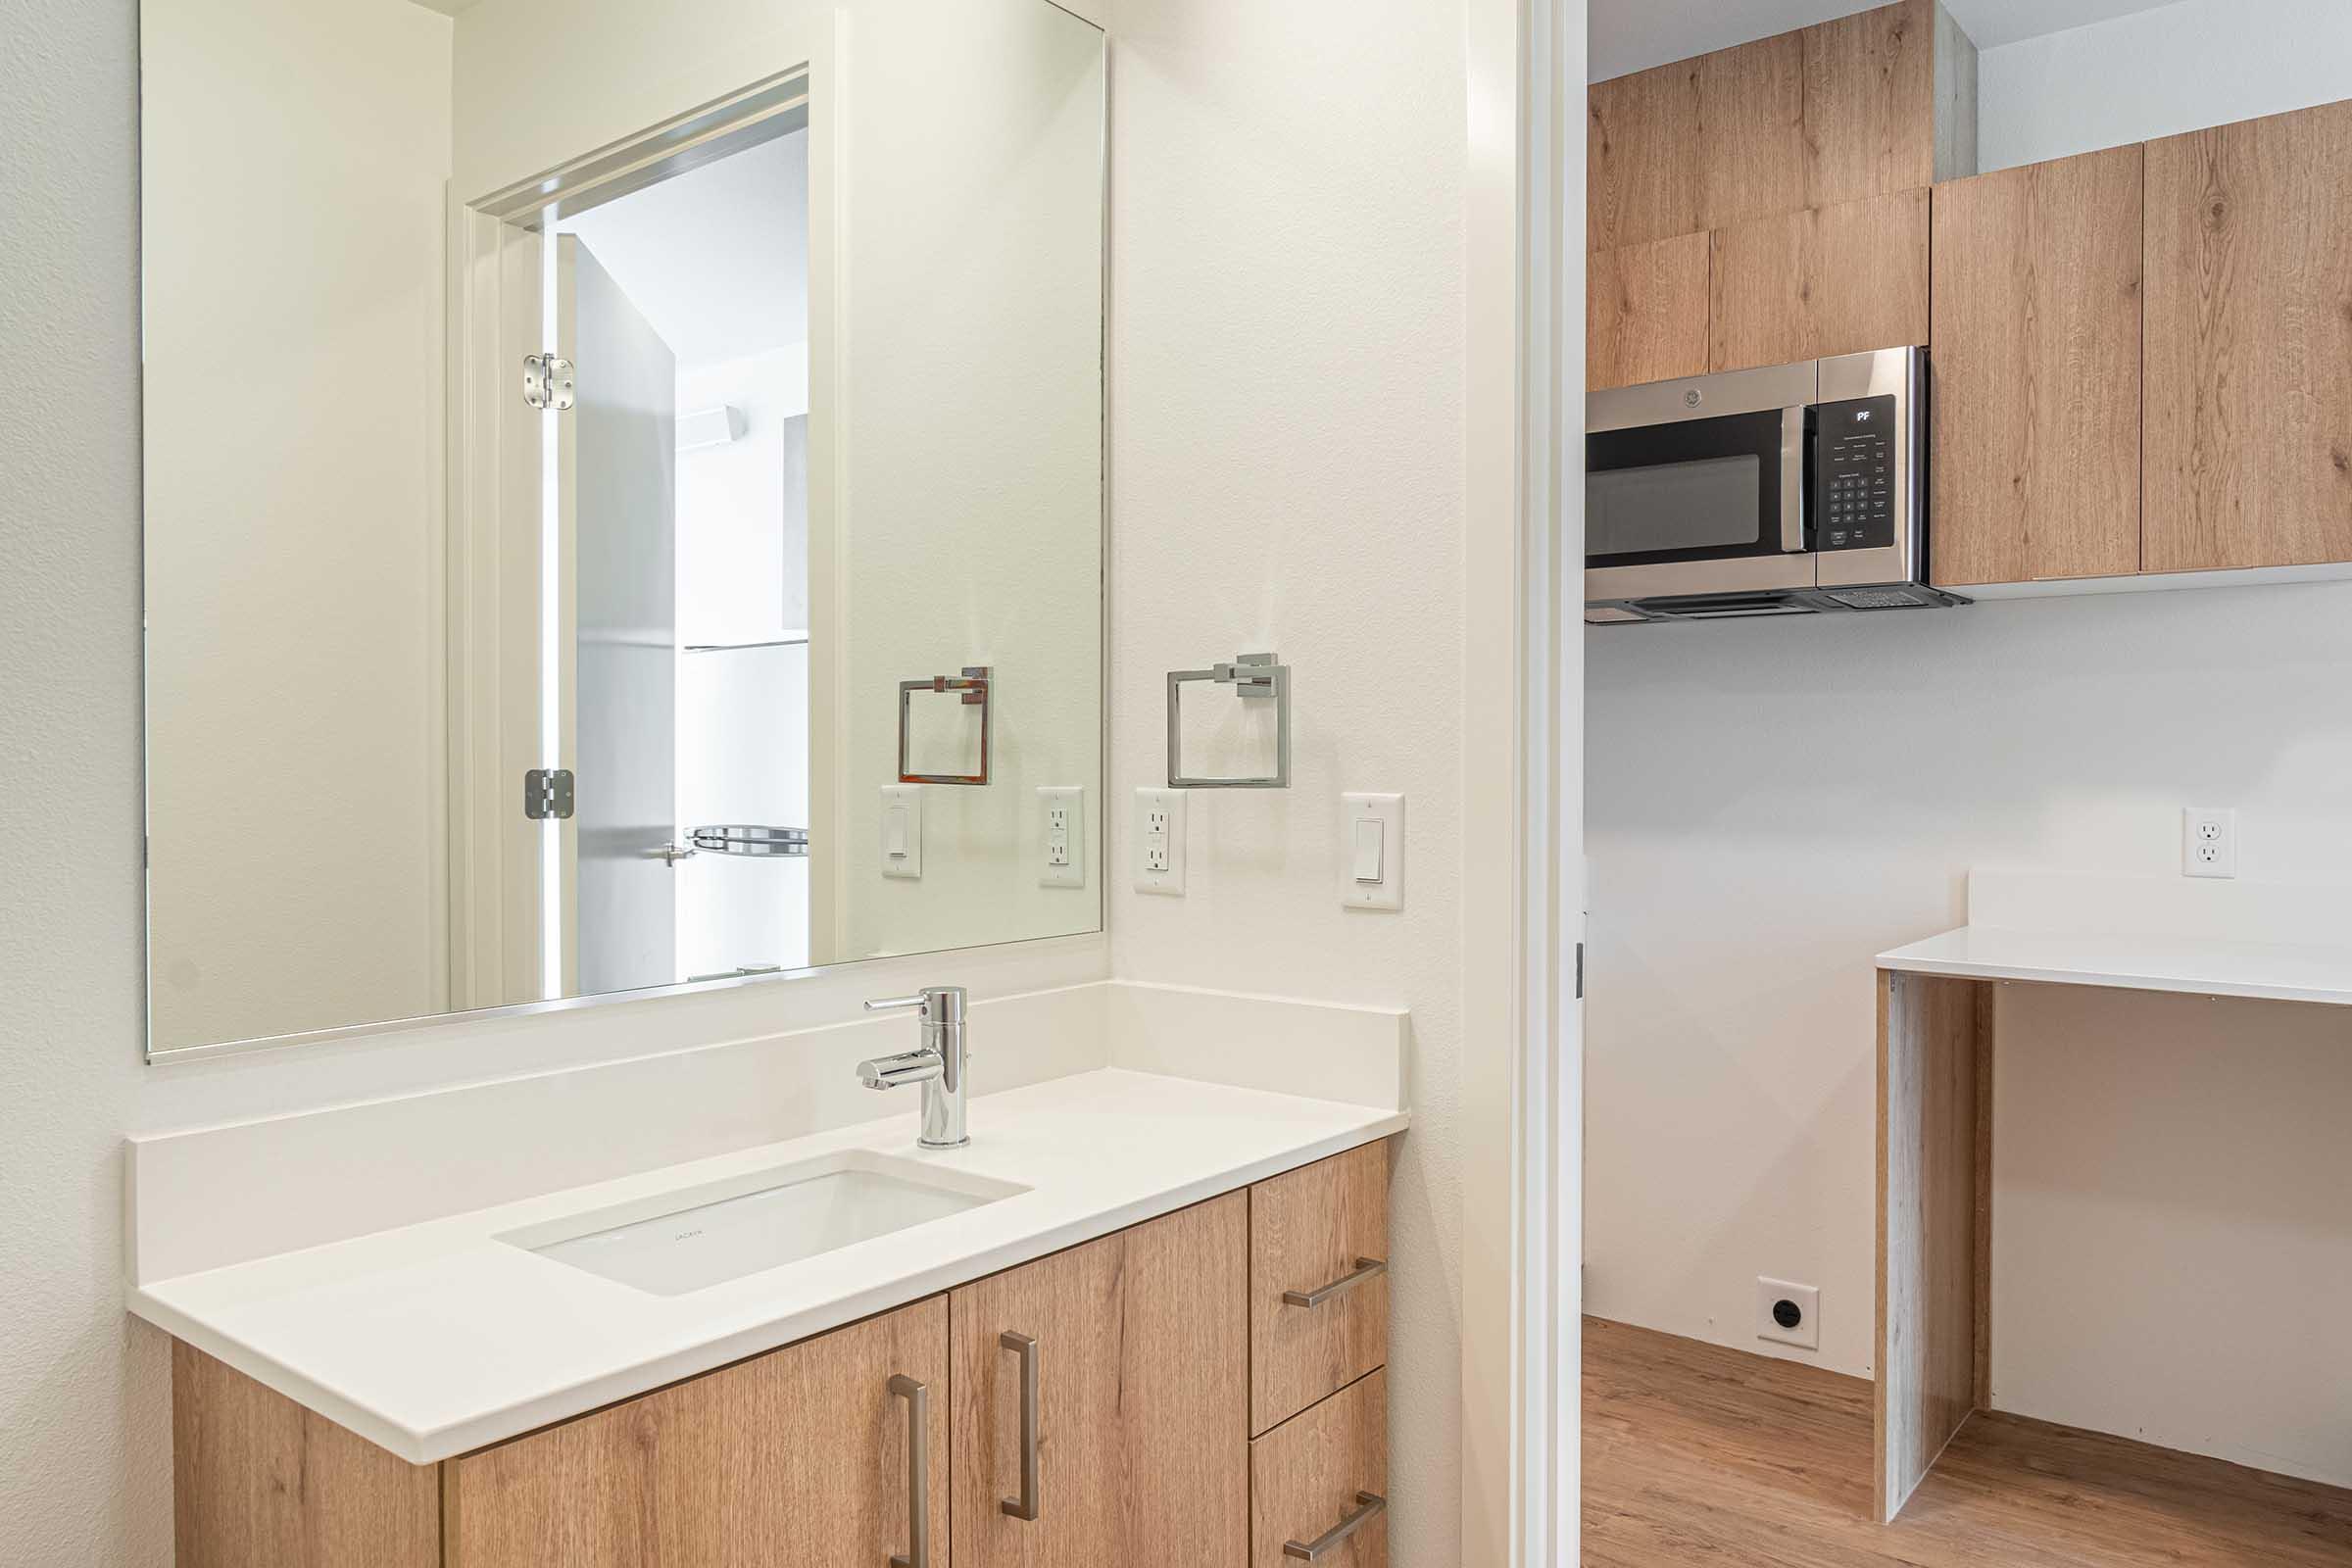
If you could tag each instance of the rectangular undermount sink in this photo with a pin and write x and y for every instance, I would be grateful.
(703, 1235)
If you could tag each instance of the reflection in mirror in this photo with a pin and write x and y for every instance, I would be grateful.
(624, 495)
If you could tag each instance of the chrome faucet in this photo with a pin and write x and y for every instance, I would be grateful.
(937, 1064)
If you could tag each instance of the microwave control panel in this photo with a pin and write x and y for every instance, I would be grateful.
(1854, 499)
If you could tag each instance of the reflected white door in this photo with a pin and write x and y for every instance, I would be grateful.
(618, 478)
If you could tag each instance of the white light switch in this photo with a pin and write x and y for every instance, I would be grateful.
(1159, 841)
(1061, 813)
(1371, 852)
(903, 830)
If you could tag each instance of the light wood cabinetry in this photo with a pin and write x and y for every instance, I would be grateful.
(1092, 1406)
(1318, 1282)
(801, 1455)
(1138, 1348)
(1870, 104)
(1832, 281)
(1751, 130)
(1645, 314)
(1642, 157)
(1321, 1474)
(2248, 443)
(2035, 469)
(259, 1482)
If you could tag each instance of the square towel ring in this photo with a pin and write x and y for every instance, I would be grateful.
(1255, 678)
(978, 688)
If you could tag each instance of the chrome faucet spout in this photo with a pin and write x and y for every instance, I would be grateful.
(938, 1064)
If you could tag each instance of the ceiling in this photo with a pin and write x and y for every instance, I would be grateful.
(1635, 34)
(717, 258)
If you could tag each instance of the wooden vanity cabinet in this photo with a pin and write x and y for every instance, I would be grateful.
(2034, 469)
(801, 1455)
(1101, 1400)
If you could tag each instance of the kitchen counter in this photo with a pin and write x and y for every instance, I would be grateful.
(438, 1338)
(2201, 968)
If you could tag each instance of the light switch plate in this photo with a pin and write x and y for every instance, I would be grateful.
(902, 831)
(1159, 841)
(1062, 836)
(1371, 843)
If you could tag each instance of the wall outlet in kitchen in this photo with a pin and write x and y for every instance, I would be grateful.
(1789, 1313)
(1159, 841)
(2208, 841)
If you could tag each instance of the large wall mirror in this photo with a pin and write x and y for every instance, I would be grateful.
(623, 495)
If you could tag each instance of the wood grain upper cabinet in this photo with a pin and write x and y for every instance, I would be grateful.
(1805, 285)
(1646, 313)
(2248, 449)
(1642, 157)
(1103, 1401)
(801, 1455)
(1870, 103)
(2035, 440)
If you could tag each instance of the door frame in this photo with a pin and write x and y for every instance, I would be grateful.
(1523, 782)
(495, 504)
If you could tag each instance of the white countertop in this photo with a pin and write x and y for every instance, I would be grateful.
(435, 1339)
(2204, 966)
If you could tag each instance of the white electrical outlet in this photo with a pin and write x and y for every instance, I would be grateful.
(902, 831)
(1159, 841)
(1789, 1313)
(2208, 841)
(1061, 811)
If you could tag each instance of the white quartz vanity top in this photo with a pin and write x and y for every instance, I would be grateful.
(2207, 938)
(438, 1338)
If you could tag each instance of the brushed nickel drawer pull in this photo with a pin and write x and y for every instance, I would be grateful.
(1369, 1506)
(919, 1471)
(1366, 1268)
(1026, 1505)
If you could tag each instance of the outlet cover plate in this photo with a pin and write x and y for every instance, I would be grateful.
(1770, 1292)
(2208, 841)
(1158, 841)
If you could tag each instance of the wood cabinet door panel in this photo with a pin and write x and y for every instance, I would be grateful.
(1806, 285)
(795, 1459)
(1870, 104)
(2248, 439)
(1143, 1354)
(1646, 313)
(1642, 157)
(2035, 412)
(1751, 130)
(1307, 1230)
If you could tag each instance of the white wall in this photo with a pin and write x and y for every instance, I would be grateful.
(2157, 73)
(84, 1390)
(293, 397)
(1286, 352)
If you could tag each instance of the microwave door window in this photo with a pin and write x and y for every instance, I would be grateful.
(1705, 504)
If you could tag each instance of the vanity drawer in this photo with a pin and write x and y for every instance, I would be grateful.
(1319, 1483)
(1318, 1282)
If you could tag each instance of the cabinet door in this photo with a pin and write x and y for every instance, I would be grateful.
(799, 1456)
(1806, 285)
(1138, 1350)
(1646, 313)
(1870, 104)
(2035, 469)
(1642, 157)
(2248, 446)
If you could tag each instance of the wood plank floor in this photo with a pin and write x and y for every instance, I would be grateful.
(1698, 1455)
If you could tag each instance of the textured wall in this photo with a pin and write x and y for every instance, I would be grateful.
(1286, 354)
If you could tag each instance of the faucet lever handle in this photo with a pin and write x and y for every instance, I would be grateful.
(899, 1004)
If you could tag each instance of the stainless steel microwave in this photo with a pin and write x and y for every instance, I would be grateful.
(1785, 491)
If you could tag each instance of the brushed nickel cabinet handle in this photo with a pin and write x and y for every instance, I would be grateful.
(919, 1471)
(1023, 1345)
(1366, 1268)
(1369, 1506)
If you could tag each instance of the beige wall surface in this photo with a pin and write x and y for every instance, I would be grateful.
(292, 177)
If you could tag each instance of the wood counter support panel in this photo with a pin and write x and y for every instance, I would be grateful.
(2036, 364)
(795, 1457)
(1932, 1279)
(259, 1482)
(2249, 344)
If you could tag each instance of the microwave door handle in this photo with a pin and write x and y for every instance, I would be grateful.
(1792, 480)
